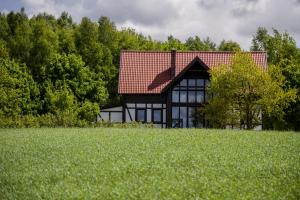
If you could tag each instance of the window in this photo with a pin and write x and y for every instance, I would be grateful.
(192, 96)
(200, 82)
(187, 96)
(183, 116)
(175, 117)
(190, 91)
(175, 96)
(157, 116)
(140, 115)
(192, 82)
(200, 96)
(191, 120)
(183, 96)
(183, 82)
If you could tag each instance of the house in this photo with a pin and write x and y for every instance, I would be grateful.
(166, 87)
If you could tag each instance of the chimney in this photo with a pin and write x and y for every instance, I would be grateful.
(173, 62)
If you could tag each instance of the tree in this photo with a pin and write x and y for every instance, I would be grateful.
(242, 91)
(65, 20)
(209, 44)
(20, 36)
(3, 50)
(4, 27)
(93, 53)
(45, 44)
(107, 33)
(71, 72)
(282, 51)
(18, 91)
(196, 44)
(173, 43)
(229, 46)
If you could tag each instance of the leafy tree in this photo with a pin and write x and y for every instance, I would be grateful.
(59, 99)
(242, 91)
(282, 51)
(3, 50)
(70, 71)
(108, 34)
(19, 38)
(4, 28)
(66, 34)
(209, 44)
(93, 53)
(65, 20)
(45, 44)
(229, 46)
(196, 44)
(173, 43)
(17, 90)
(279, 46)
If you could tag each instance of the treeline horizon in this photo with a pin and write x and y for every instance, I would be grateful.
(63, 72)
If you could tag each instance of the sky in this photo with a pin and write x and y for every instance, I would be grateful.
(235, 20)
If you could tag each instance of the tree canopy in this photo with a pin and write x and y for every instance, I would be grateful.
(243, 92)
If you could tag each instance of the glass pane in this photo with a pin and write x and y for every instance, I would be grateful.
(175, 96)
(176, 123)
(175, 112)
(183, 96)
(183, 82)
(191, 119)
(192, 82)
(192, 96)
(157, 116)
(192, 112)
(200, 82)
(183, 116)
(199, 96)
(140, 115)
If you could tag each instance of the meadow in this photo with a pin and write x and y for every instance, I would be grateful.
(111, 163)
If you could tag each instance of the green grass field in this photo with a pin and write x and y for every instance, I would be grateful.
(148, 164)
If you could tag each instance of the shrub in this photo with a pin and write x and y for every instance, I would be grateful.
(88, 111)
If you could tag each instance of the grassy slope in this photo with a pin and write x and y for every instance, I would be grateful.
(148, 164)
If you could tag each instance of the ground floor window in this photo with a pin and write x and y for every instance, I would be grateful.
(157, 116)
(146, 113)
(186, 116)
(141, 115)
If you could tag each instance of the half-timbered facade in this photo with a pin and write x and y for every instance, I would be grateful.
(166, 88)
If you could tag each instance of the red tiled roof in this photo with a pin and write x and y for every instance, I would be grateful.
(148, 72)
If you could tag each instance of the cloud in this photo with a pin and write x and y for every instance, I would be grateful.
(155, 12)
(220, 19)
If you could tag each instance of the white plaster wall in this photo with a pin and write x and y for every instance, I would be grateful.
(149, 113)
(164, 115)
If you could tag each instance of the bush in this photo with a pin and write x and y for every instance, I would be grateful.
(30, 121)
(108, 124)
(63, 119)
(88, 111)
